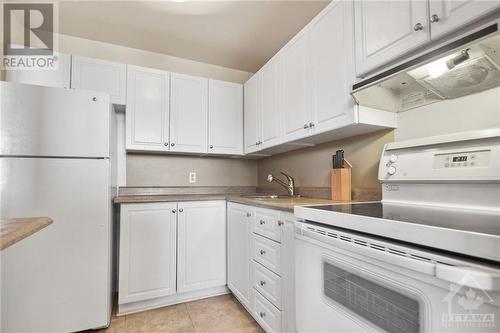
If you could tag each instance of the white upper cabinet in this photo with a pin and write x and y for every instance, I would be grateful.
(147, 116)
(449, 15)
(388, 29)
(100, 75)
(225, 117)
(59, 77)
(295, 92)
(201, 245)
(269, 112)
(147, 251)
(332, 70)
(188, 113)
(252, 105)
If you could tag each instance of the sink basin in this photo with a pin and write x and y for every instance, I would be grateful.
(269, 196)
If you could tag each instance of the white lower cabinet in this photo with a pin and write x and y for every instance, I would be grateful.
(260, 264)
(170, 253)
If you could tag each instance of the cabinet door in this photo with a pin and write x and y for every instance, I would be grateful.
(386, 30)
(147, 251)
(239, 224)
(252, 105)
(332, 71)
(270, 113)
(448, 15)
(225, 117)
(147, 113)
(100, 75)
(188, 113)
(59, 77)
(201, 245)
(295, 92)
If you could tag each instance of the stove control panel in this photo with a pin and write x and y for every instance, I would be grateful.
(470, 159)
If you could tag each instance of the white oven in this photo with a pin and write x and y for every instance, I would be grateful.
(424, 259)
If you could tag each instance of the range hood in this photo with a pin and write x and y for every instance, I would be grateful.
(463, 67)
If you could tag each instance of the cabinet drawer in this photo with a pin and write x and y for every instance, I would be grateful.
(267, 283)
(267, 224)
(267, 253)
(266, 314)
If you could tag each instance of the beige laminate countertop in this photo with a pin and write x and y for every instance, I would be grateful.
(285, 204)
(14, 230)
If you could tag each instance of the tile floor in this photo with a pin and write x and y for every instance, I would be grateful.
(221, 314)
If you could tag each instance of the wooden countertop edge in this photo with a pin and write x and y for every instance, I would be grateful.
(17, 229)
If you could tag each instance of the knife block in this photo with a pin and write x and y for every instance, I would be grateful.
(341, 183)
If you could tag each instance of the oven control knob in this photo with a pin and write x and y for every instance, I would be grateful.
(393, 158)
(391, 170)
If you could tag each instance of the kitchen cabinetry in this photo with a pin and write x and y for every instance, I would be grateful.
(147, 251)
(225, 117)
(270, 109)
(252, 104)
(239, 226)
(59, 77)
(188, 113)
(386, 31)
(100, 75)
(171, 252)
(202, 245)
(147, 116)
(261, 264)
(449, 15)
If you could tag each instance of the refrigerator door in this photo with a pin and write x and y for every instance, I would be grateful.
(58, 279)
(44, 121)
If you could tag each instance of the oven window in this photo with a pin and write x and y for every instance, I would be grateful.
(384, 307)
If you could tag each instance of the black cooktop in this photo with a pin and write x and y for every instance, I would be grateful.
(479, 221)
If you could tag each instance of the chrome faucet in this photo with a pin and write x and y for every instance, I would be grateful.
(290, 186)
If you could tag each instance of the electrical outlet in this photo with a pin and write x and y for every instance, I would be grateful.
(192, 177)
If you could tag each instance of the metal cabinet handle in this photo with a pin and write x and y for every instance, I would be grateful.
(94, 99)
(262, 283)
(166, 144)
(181, 210)
(211, 146)
(262, 314)
(249, 214)
(280, 223)
(418, 27)
(174, 211)
(306, 126)
(311, 125)
(262, 222)
(172, 144)
(434, 18)
(262, 252)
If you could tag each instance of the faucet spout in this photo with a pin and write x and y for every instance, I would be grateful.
(289, 185)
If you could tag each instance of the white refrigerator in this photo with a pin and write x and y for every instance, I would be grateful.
(56, 161)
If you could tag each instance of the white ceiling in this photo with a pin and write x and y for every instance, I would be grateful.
(236, 34)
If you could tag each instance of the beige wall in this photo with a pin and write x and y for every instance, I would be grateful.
(311, 166)
(158, 170)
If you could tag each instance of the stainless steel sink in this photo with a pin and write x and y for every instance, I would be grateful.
(269, 196)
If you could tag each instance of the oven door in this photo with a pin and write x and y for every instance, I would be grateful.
(338, 290)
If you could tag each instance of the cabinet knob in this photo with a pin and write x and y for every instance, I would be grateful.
(166, 144)
(262, 222)
(174, 211)
(181, 210)
(262, 314)
(280, 223)
(172, 144)
(262, 252)
(211, 146)
(262, 283)
(311, 125)
(306, 126)
(434, 18)
(418, 27)
(94, 99)
(249, 214)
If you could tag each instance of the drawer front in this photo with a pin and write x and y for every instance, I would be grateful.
(267, 283)
(266, 314)
(267, 224)
(267, 253)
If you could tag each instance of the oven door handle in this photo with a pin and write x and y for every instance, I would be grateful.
(469, 277)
